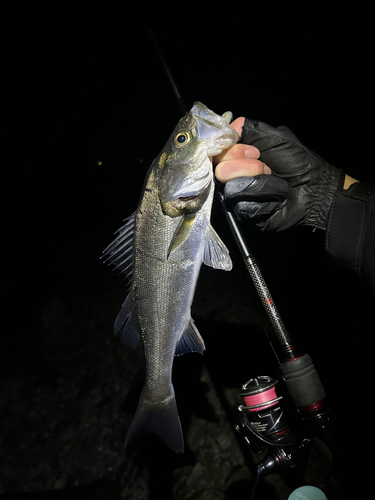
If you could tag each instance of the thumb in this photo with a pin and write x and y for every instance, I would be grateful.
(238, 124)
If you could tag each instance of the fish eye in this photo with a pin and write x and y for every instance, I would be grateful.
(181, 139)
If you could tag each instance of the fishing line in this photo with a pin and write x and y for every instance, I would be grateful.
(263, 414)
(261, 401)
(259, 393)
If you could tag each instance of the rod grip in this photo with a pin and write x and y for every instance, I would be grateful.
(302, 381)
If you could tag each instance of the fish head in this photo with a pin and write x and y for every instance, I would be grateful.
(185, 163)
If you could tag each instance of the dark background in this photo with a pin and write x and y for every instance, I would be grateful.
(86, 107)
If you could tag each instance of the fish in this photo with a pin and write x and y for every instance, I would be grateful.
(160, 249)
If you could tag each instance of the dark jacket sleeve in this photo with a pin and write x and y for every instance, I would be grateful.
(350, 236)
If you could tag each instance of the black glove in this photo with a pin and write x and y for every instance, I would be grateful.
(300, 191)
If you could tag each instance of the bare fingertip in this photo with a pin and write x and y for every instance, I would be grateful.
(266, 169)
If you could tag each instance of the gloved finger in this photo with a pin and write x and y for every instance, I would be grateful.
(261, 188)
(255, 210)
(263, 136)
(286, 133)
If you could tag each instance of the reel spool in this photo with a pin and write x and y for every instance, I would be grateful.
(264, 413)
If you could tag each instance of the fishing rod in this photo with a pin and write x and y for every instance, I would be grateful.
(268, 303)
(262, 419)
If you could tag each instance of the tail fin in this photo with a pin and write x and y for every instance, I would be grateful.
(160, 418)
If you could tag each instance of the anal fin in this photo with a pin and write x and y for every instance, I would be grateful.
(190, 340)
(130, 334)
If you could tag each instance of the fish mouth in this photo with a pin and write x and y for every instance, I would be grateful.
(207, 121)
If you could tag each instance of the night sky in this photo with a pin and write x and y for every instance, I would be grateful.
(86, 107)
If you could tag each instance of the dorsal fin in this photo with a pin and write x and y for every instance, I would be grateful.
(120, 252)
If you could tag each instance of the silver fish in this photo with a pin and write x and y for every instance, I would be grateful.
(160, 249)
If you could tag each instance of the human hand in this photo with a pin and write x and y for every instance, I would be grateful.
(240, 160)
(299, 193)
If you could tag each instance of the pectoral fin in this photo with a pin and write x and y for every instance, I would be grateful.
(216, 253)
(181, 233)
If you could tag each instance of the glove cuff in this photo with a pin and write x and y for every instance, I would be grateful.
(323, 193)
